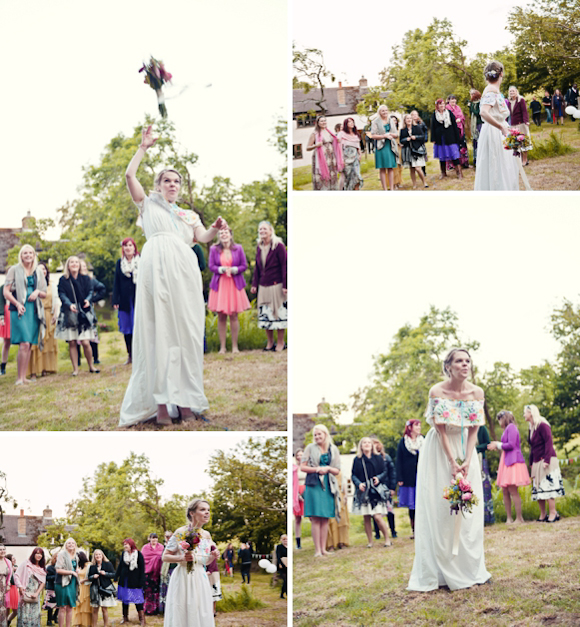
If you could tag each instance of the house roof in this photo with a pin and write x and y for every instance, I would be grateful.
(337, 100)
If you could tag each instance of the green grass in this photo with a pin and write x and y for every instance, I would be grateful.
(240, 601)
(535, 581)
(246, 392)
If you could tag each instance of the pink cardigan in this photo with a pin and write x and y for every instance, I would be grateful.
(9, 564)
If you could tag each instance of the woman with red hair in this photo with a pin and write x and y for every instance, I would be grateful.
(407, 461)
(124, 290)
(131, 577)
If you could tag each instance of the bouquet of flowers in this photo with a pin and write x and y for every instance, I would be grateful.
(460, 495)
(156, 76)
(191, 540)
(515, 141)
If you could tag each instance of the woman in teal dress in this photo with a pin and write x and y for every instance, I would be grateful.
(321, 463)
(24, 288)
(385, 158)
(67, 582)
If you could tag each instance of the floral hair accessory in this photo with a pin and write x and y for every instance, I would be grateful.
(491, 73)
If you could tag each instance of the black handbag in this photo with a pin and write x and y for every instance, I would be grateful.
(81, 320)
(94, 593)
(108, 591)
(373, 495)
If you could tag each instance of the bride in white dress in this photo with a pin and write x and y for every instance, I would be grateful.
(189, 596)
(455, 412)
(169, 307)
(497, 168)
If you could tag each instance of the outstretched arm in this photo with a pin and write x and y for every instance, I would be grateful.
(135, 188)
(204, 235)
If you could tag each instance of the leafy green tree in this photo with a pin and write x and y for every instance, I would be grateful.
(546, 43)
(403, 376)
(249, 496)
(310, 72)
(502, 391)
(6, 499)
(432, 64)
(121, 501)
(58, 532)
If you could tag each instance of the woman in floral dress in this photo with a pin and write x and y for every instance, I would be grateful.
(30, 579)
(455, 412)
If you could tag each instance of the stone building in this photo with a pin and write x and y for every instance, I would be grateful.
(9, 237)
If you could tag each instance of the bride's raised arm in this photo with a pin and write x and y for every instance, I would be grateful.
(135, 188)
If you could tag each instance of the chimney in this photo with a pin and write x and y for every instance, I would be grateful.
(341, 96)
(21, 524)
(363, 82)
(323, 408)
(27, 222)
(46, 516)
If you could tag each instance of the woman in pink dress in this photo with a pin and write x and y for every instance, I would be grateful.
(512, 471)
(460, 119)
(227, 296)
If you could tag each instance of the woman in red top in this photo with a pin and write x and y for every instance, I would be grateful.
(547, 482)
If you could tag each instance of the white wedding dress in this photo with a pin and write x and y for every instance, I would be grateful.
(189, 596)
(169, 316)
(497, 168)
(434, 564)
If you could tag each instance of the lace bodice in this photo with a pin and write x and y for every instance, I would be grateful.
(499, 109)
(202, 551)
(445, 411)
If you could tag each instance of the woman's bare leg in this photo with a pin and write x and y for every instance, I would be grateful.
(5, 349)
(413, 177)
(542, 505)
(323, 535)
(74, 358)
(368, 529)
(383, 177)
(88, 351)
(552, 507)
(222, 331)
(517, 500)
(235, 331)
(421, 175)
(508, 505)
(391, 177)
(383, 527)
(270, 336)
(22, 361)
(315, 532)
(279, 340)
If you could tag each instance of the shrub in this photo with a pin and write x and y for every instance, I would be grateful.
(239, 601)
(554, 146)
(568, 505)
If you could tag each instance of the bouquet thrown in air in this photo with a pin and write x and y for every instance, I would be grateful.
(516, 141)
(190, 541)
(460, 495)
(156, 76)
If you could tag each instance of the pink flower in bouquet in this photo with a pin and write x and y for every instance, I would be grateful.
(464, 486)
(184, 545)
(445, 414)
(466, 496)
(446, 493)
(521, 138)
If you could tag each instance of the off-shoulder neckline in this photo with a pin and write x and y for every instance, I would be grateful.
(458, 400)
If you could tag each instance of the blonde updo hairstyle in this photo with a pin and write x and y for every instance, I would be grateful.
(449, 360)
(192, 508)
(160, 176)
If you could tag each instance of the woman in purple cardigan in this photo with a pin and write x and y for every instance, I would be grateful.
(547, 482)
(519, 118)
(227, 296)
(270, 283)
(512, 471)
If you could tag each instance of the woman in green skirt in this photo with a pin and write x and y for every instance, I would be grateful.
(321, 463)
(385, 157)
(24, 288)
(67, 582)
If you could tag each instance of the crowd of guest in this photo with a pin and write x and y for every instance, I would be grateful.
(73, 590)
(400, 141)
(35, 313)
(320, 492)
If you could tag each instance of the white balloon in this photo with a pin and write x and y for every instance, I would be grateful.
(271, 569)
(570, 110)
(577, 115)
(263, 563)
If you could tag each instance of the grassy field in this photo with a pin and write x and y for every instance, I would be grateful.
(272, 615)
(535, 581)
(246, 392)
(552, 173)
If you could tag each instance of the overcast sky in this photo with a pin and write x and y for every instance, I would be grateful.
(71, 83)
(365, 269)
(358, 40)
(48, 468)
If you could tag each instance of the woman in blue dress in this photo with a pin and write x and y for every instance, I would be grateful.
(24, 288)
(558, 107)
(321, 463)
(385, 157)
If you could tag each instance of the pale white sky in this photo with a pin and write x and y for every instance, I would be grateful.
(357, 41)
(364, 269)
(40, 475)
(71, 84)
